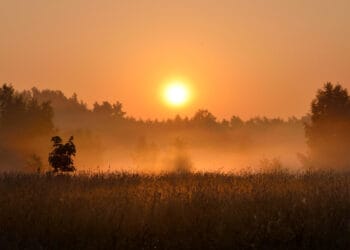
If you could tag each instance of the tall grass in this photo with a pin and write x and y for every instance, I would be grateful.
(175, 211)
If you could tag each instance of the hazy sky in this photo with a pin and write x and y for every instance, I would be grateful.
(240, 57)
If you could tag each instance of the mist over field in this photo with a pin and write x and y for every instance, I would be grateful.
(184, 183)
(175, 125)
(108, 139)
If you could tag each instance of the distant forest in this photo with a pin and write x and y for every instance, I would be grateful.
(73, 112)
(28, 119)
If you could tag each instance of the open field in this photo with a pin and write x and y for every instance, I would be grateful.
(175, 211)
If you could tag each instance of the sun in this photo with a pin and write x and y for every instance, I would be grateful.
(176, 93)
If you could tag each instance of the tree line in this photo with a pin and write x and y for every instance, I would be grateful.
(71, 107)
(27, 114)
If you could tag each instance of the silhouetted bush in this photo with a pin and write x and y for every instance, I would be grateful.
(61, 156)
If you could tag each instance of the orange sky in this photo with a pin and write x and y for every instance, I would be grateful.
(241, 57)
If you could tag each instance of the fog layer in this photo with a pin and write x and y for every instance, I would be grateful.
(107, 139)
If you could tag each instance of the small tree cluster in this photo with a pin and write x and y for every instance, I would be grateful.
(61, 156)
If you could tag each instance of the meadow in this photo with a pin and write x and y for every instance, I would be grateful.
(275, 210)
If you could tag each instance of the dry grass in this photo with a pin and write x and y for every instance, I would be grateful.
(175, 211)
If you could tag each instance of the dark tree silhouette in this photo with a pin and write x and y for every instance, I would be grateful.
(106, 109)
(328, 132)
(23, 114)
(204, 118)
(236, 122)
(61, 156)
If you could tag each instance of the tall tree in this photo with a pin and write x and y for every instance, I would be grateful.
(328, 133)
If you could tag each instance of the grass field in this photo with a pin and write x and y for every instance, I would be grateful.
(175, 211)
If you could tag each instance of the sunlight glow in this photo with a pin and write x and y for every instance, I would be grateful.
(176, 94)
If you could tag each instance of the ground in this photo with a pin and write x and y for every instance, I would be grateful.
(275, 210)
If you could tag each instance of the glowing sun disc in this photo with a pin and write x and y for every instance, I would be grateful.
(176, 94)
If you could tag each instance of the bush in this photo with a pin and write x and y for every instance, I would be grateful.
(61, 156)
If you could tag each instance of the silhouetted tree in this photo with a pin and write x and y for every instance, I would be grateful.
(69, 111)
(204, 118)
(328, 132)
(23, 114)
(117, 109)
(236, 122)
(106, 109)
(61, 156)
(225, 124)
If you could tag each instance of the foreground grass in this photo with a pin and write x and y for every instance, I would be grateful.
(175, 211)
